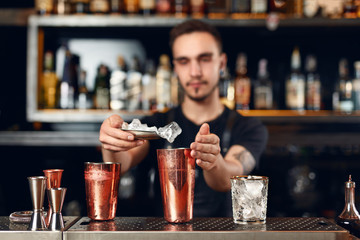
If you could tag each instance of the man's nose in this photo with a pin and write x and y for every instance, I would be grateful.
(195, 69)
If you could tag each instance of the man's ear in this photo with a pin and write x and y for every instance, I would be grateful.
(174, 67)
(223, 61)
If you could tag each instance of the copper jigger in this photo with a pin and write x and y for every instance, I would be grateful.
(56, 197)
(101, 188)
(177, 182)
(37, 191)
(53, 181)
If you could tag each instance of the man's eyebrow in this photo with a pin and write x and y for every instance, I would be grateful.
(205, 54)
(180, 58)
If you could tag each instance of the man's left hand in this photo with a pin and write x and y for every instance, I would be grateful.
(206, 148)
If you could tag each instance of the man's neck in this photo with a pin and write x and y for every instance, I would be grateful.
(204, 111)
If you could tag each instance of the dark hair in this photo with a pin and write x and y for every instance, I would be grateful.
(191, 26)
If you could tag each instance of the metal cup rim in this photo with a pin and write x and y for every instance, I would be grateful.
(37, 177)
(53, 170)
(245, 177)
(101, 163)
(173, 149)
(57, 189)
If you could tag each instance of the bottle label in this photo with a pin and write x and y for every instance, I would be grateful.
(295, 93)
(242, 91)
(313, 95)
(263, 97)
(163, 6)
(99, 6)
(197, 6)
(310, 8)
(44, 5)
(240, 6)
(258, 6)
(147, 4)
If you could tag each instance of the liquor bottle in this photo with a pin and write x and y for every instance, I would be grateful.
(350, 9)
(263, 95)
(218, 9)
(149, 86)
(163, 7)
(131, 6)
(99, 6)
(117, 85)
(242, 83)
(133, 85)
(163, 83)
(356, 86)
(349, 215)
(345, 88)
(80, 6)
(295, 84)
(84, 101)
(197, 8)
(226, 89)
(147, 7)
(44, 7)
(181, 8)
(62, 7)
(259, 8)
(240, 9)
(313, 84)
(69, 82)
(116, 6)
(49, 81)
(175, 90)
(101, 88)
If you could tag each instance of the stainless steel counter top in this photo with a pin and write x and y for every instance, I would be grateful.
(19, 231)
(136, 228)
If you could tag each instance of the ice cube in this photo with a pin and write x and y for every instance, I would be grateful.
(170, 131)
(254, 188)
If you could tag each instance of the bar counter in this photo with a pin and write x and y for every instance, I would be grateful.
(19, 231)
(136, 228)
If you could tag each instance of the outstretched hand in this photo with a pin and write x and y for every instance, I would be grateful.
(206, 148)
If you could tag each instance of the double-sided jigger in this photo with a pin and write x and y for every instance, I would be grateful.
(56, 197)
(53, 181)
(37, 190)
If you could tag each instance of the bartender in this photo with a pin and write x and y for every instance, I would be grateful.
(223, 142)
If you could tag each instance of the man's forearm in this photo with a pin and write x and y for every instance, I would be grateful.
(246, 159)
(120, 157)
(238, 161)
(128, 159)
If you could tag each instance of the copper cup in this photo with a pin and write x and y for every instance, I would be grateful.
(101, 188)
(177, 182)
(53, 181)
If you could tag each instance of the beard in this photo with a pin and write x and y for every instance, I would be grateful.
(200, 98)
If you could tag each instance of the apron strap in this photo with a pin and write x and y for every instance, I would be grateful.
(225, 140)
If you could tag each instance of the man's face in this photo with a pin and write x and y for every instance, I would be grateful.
(197, 62)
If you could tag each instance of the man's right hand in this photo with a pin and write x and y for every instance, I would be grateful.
(113, 138)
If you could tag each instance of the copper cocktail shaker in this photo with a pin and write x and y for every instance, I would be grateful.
(53, 181)
(101, 187)
(177, 182)
(37, 191)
